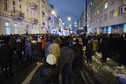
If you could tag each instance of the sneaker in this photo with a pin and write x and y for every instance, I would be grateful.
(90, 64)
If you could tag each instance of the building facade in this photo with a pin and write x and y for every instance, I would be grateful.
(105, 16)
(24, 16)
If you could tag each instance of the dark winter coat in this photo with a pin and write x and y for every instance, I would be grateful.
(105, 45)
(66, 56)
(19, 47)
(89, 48)
(50, 74)
(38, 49)
(47, 48)
(78, 52)
(12, 43)
(6, 54)
(28, 48)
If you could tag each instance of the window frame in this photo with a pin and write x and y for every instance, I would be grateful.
(106, 5)
(16, 28)
(7, 27)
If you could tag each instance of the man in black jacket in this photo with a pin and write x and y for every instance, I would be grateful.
(78, 53)
(89, 49)
(105, 45)
(50, 72)
(6, 58)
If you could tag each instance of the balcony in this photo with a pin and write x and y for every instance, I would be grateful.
(34, 21)
(17, 15)
(33, 6)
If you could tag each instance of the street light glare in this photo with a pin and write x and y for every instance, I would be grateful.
(53, 12)
(63, 23)
(69, 18)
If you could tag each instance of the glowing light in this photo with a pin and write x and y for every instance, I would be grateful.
(124, 28)
(109, 29)
(69, 18)
(63, 23)
(53, 12)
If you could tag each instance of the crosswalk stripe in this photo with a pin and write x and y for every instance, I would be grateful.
(29, 77)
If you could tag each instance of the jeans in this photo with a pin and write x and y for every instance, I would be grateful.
(66, 75)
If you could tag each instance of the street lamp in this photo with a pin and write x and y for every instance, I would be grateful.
(63, 23)
(53, 12)
(69, 18)
(70, 25)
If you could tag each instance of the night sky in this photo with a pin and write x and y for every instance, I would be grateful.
(65, 8)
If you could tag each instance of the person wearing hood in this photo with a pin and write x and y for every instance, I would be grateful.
(66, 61)
(50, 72)
(89, 49)
(54, 49)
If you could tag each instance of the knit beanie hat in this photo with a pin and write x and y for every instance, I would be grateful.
(51, 59)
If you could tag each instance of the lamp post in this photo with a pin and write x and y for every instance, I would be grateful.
(53, 12)
(69, 18)
(63, 23)
(85, 28)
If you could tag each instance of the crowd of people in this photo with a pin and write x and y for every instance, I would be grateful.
(60, 54)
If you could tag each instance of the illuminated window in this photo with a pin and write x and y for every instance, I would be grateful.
(124, 28)
(22, 28)
(109, 29)
(106, 5)
(91, 3)
(16, 28)
(7, 25)
(105, 30)
(97, 11)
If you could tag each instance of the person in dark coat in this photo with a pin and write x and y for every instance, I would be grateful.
(6, 59)
(23, 45)
(28, 50)
(46, 47)
(50, 72)
(105, 45)
(78, 53)
(19, 50)
(39, 51)
(66, 60)
(89, 49)
(13, 43)
(123, 51)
